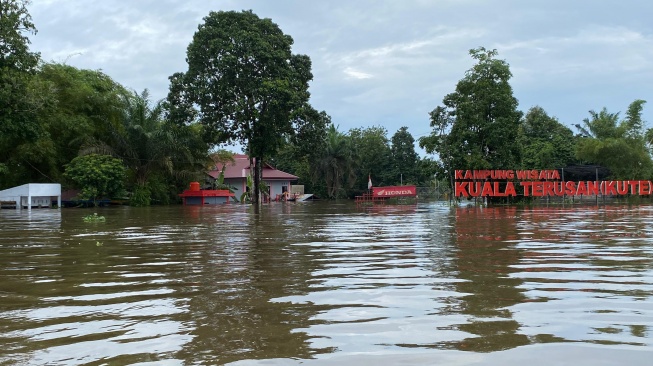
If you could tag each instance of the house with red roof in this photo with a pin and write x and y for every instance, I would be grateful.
(235, 174)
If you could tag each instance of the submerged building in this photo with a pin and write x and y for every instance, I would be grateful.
(196, 196)
(236, 172)
(31, 195)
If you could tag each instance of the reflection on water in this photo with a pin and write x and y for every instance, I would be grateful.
(326, 283)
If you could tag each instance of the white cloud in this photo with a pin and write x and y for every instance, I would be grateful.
(355, 74)
(381, 61)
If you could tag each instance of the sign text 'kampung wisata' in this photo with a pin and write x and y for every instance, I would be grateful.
(539, 183)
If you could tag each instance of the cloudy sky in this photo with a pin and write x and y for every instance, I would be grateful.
(383, 63)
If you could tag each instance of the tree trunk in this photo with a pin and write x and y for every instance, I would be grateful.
(259, 170)
(257, 181)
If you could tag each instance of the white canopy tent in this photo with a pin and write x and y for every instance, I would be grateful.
(32, 195)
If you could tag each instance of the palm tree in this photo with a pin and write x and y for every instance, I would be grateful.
(602, 125)
(336, 166)
(149, 145)
(620, 146)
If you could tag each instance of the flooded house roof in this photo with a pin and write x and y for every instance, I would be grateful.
(240, 169)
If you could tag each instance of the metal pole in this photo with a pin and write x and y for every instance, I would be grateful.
(597, 182)
(563, 186)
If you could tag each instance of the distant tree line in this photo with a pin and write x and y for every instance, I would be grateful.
(243, 85)
(479, 127)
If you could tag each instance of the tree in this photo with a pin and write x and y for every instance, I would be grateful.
(311, 131)
(19, 100)
(304, 148)
(148, 145)
(478, 126)
(78, 106)
(373, 157)
(336, 165)
(546, 143)
(427, 172)
(620, 146)
(14, 45)
(96, 175)
(404, 157)
(245, 82)
(437, 142)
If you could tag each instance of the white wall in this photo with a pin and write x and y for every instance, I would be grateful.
(238, 184)
(275, 187)
(36, 193)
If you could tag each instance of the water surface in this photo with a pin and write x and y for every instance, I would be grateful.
(327, 283)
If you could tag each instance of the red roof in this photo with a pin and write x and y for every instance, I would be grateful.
(240, 169)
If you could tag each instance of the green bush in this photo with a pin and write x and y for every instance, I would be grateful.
(96, 176)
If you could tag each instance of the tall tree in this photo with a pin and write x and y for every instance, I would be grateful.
(438, 142)
(245, 81)
(373, 157)
(15, 20)
(404, 157)
(148, 145)
(304, 148)
(477, 127)
(311, 131)
(336, 166)
(19, 97)
(620, 146)
(81, 105)
(546, 143)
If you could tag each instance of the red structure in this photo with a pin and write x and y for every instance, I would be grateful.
(236, 173)
(394, 191)
(196, 196)
(381, 194)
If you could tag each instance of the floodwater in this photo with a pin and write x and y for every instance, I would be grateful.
(327, 283)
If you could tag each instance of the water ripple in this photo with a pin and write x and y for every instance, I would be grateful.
(326, 283)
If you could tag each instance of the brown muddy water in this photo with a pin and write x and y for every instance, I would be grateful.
(327, 283)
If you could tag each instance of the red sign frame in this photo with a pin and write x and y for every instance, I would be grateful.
(394, 191)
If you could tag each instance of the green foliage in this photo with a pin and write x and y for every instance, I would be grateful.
(14, 45)
(219, 183)
(304, 148)
(602, 125)
(69, 106)
(87, 104)
(311, 131)
(19, 95)
(141, 196)
(404, 157)
(372, 156)
(245, 82)
(289, 160)
(620, 146)
(547, 144)
(52, 111)
(477, 127)
(427, 171)
(246, 197)
(94, 218)
(96, 175)
(220, 157)
(149, 145)
(336, 166)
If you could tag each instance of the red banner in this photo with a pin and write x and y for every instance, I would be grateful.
(394, 191)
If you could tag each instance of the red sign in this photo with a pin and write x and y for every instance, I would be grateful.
(394, 191)
(539, 183)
